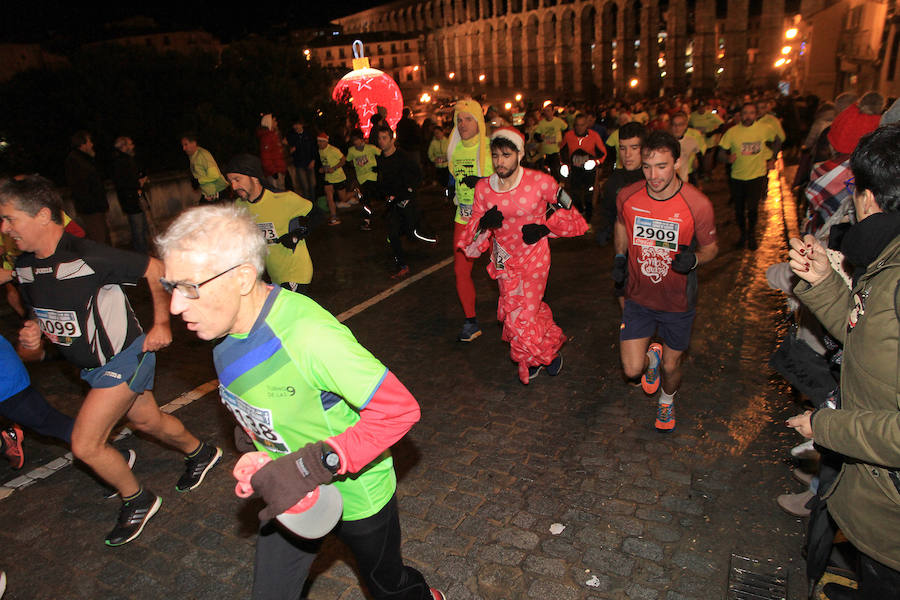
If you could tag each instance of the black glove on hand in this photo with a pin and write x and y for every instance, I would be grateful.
(492, 219)
(619, 271)
(292, 238)
(533, 232)
(283, 482)
(298, 229)
(470, 180)
(685, 261)
(242, 440)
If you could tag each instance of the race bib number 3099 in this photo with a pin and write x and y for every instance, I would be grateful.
(60, 326)
(655, 233)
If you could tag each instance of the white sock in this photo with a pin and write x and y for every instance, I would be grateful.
(665, 398)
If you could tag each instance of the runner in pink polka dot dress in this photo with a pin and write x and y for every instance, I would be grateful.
(520, 259)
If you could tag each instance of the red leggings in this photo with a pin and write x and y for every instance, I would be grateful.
(462, 267)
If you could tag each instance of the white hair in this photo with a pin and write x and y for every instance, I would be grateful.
(224, 233)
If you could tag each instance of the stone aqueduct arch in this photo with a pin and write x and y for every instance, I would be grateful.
(540, 45)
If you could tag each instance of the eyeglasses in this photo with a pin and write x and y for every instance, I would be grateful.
(850, 184)
(191, 291)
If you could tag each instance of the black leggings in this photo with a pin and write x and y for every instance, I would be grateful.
(29, 409)
(283, 559)
(746, 196)
(401, 220)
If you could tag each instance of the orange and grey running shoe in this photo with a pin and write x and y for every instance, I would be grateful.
(650, 379)
(12, 446)
(665, 417)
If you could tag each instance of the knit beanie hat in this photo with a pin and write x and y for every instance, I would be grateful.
(849, 126)
(245, 164)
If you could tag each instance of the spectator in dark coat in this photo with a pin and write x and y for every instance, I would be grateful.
(128, 179)
(86, 185)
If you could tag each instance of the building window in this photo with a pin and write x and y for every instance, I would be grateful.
(341, 53)
(406, 46)
(393, 48)
(892, 63)
(328, 54)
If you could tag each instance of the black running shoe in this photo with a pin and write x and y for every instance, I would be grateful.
(133, 515)
(129, 456)
(196, 467)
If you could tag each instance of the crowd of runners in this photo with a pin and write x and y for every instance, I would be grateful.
(235, 269)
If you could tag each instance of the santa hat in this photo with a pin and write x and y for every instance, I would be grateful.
(322, 136)
(512, 135)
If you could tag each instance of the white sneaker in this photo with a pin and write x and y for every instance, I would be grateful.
(805, 450)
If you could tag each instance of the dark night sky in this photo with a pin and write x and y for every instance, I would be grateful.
(38, 20)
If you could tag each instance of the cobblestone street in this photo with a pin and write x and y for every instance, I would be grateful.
(492, 465)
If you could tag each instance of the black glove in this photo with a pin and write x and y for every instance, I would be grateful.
(470, 180)
(243, 441)
(492, 219)
(533, 232)
(374, 169)
(685, 261)
(298, 229)
(619, 271)
(283, 482)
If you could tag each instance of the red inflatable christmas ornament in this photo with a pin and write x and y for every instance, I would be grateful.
(370, 89)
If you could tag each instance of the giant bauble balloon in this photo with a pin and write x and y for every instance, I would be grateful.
(370, 89)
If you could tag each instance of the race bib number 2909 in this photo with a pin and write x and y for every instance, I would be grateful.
(655, 233)
(60, 326)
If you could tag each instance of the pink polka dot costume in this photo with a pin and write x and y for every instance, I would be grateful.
(521, 269)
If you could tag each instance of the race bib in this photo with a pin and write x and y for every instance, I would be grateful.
(268, 231)
(750, 148)
(60, 326)
(499, 256)
(650, 233)
(578, 160)
(255, 421)
(361, 161)
(465, 210)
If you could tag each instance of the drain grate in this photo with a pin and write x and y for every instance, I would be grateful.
(750, 579)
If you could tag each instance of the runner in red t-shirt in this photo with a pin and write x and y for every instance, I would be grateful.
(665, 230)
(583, 153)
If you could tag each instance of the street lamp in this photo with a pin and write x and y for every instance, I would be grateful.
(633, 83)
(791, 33)
(451, 75)
(518, 97)
(436, 87)
(481, 77)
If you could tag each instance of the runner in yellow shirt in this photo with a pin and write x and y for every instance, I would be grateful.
(748, 147)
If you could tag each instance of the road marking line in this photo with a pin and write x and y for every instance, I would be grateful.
(26, 479)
